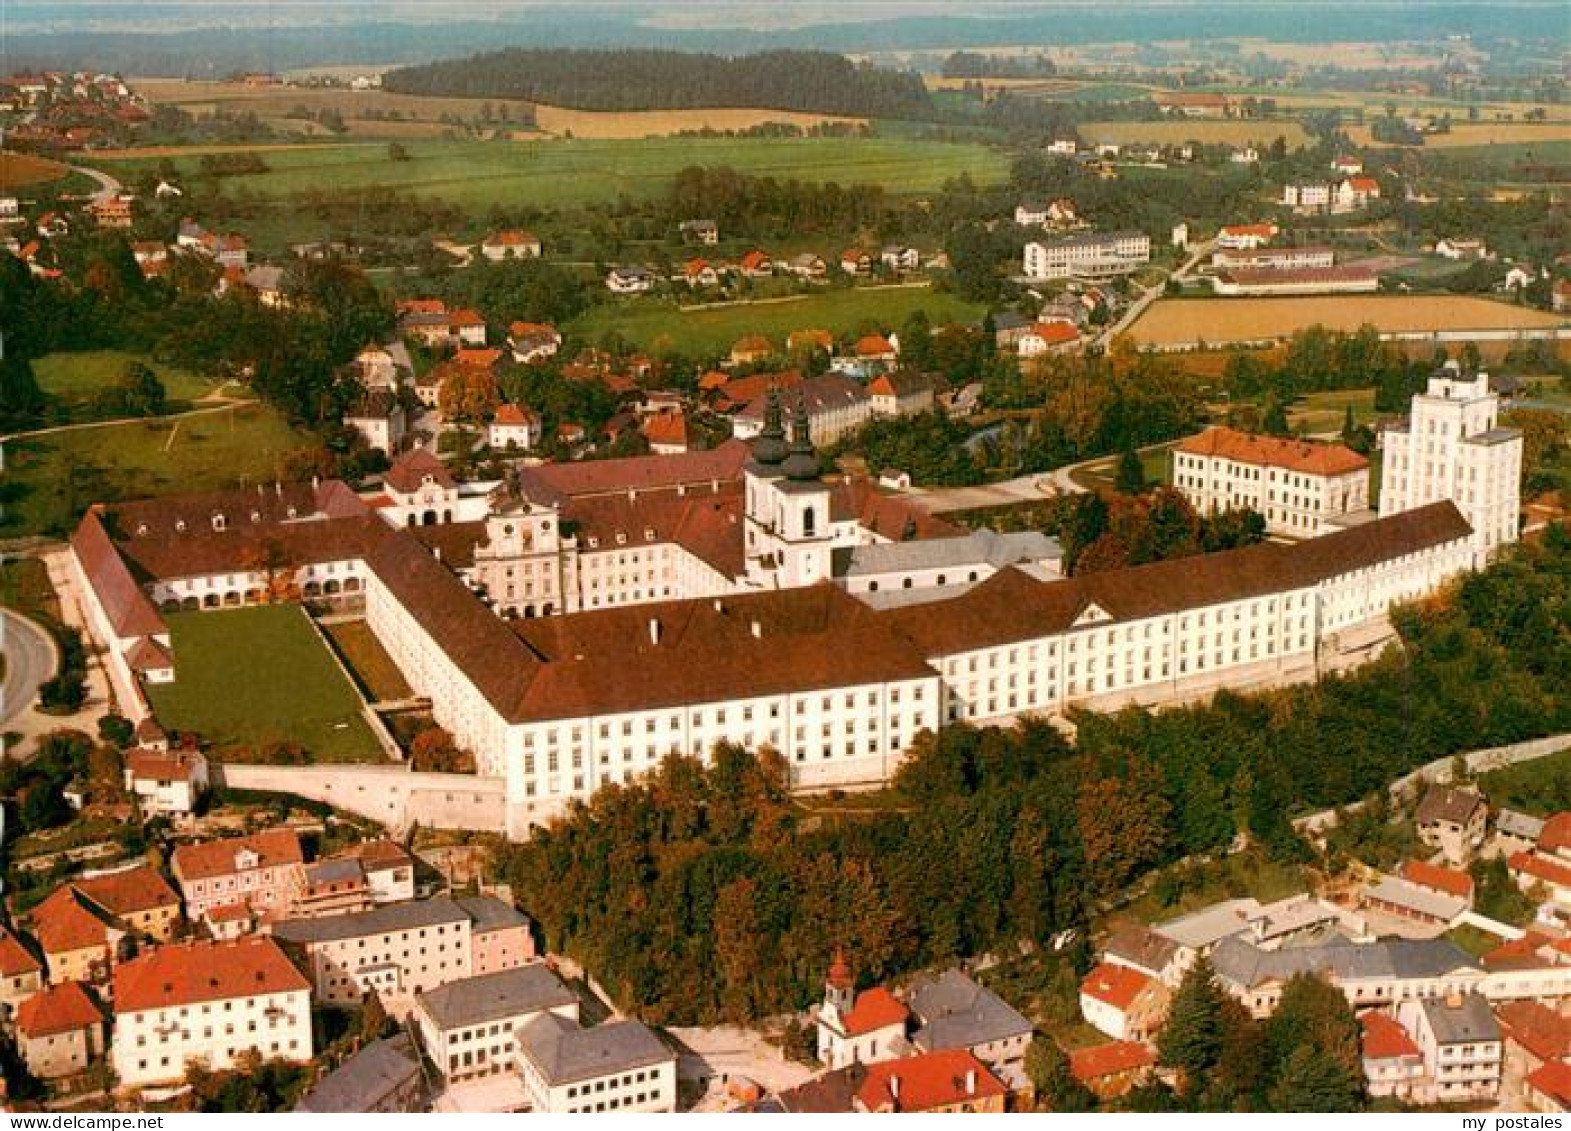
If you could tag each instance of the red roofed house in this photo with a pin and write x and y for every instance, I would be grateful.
(1392, 1059)
(757, 265)
(751, 349)
(1555, 837)
(513, 427)
(82, 926)
(1122, 1002)
(1448, 881)
(1549, 1088)
(466, 327)
(953, 1080)
(21, 974)
(60, 1031)
(901, 394)
(856, 262)
(165, 783)
(1193, 103)
(263, 871)
(208, 1001)
(1113, 1069)
(533, 341)
(858, 1028)
(1535, 1035)
(510, 244)
(1298, 486)
(1354, 193)
(668, 433)
(700, 273)
(1543, 876)
(1047, 337)
(1245, 237)
(113, 213)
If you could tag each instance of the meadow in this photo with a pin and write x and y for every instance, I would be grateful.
(1183, 322)
(562, 173)
(712, 331)
(24, 170)
(1550, 136)
(1255, 131)
(251, 676)
(76, 377)
(50, 479)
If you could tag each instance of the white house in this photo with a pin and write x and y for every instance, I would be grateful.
(629, 281)
(165, 783)
(617, 1066)
(1461, 1045)
(469, 1027)
(1295, 485)
(513, 427)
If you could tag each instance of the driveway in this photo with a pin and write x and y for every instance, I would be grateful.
(30, 660)
(108, 187)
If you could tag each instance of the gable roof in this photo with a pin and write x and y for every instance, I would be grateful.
(1114, 985)
(1274, 451)
(1385, 1039)
(129, 611)
(1556, 833)
(132, 890)
(274, 848)
(874, 1009)
(1553, 1079)
(930, 1080)
(15, 959)
(494, 997)
(1537, 1028)
(1432, 876)
(62, 1008)
(955, 1012)
(189, 973)
(1111, 1059)
(410, 470)
(564, 1053)
(65, 922)
(1443, 803)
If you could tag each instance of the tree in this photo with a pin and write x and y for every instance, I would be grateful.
(1191, 1042)
(1311, 1049)
(1131, 476)
(1123, 823)
(468, 395)
(1056, 1088)
(21, 400)
(397, 152)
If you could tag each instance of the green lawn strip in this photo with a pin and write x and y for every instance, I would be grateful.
(245, 677)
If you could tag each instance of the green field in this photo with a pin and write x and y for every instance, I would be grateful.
(76, 377)
(712, 332)
(1541, 787)
(50, 479)
(561, 173)
(245, 677)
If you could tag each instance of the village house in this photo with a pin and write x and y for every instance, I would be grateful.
(807, 266)
(835, 407)
(1535, 1035)
(85, 926)
(1460, 1042)
(1347, 166)
(533, 341)
(165, 783)
(60, 1031)
(757, 265)
(856, 262)
(669, 433)
(515, 427)
(383, 367)
(1047, 337)
(699, 231)
(699, 273)
(510, 244)
(264, 871)
(209, 1002)
(901, 394)
(951, 1081)
(1063, 146)
(383, 1078)
(1548, 1089)
(1452, 821)
(379, 417)
(469, 1027)
(1245, 237)
(750, 350)
(1393, 1062)
(1122, 1002)
(899, 258)
(869, 356)
(21, 974)
(389, 869)
(1452, 248)
(114, 214)
(1114, 1069)
(614, 1066)
(950, 1012)
(1297, 486)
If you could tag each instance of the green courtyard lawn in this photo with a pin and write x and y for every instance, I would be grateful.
(561, 173)
(50, 479)
(246, 677)
(1541, 787)
(75, 377)
(710, 332)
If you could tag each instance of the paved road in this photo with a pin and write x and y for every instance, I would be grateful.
(108, 187)
(1197, 252)
(30, 660)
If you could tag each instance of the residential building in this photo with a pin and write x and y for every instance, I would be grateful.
(383, 1078)
(389, 869)
(1307, 196)
(1122, 1002)
(533, 341)
(1535, 1035)
(1393, 1062)
(756, 265)
(700, 231)
(84, 927)
(209, 1002)
(1245, 237)
(21, 973)
(331, 887)
(1451, 820)
(1143, 950)
(807, 266)
(165, 783)
(1462, 249)
(1461, 1045)
(1297, 486)
(264, 871)
(514, 427)
(669, 433)
(700, 273)
(1548, 1089)
(901, 394)
(899, 258)
(950, 1081)
(510, 244)
(1093, 255)
(59, 1031)
(469, 1028)
(1048, 337)
(1114, 1069)
(629, 281)
(379, 417)
(856, 262)
(951, 1012)
(858, 1028)
(1516, 831)
(1454, 448)
(617, 1066)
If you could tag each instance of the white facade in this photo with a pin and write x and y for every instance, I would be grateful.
(1457, 1068)
(1095, 255)
(1453, 448)
(1294, 502)
(154, 1046)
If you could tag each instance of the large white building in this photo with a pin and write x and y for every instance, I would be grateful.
(1092, 255)
(207, 1002)
(617, 1066)
(1295, 485)
(1454, 448)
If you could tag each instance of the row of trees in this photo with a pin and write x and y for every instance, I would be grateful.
(700, 892)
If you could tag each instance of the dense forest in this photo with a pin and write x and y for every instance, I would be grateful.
(816, 82)
(702, 892)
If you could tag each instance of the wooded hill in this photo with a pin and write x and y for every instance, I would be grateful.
(816, 82)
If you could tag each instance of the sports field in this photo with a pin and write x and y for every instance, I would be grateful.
(1185, 322)
(246, 677)
(562, 173)
(713, 331)
(50, 479)
(1180, 131)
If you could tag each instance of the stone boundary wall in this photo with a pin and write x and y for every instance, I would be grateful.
(396, 796)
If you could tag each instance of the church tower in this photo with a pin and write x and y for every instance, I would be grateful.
(788, 522)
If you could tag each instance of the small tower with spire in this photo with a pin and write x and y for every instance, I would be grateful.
(839, 987)
(788, 526)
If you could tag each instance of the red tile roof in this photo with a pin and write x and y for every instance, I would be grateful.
(874, 345)
(1054, 333)
(1264, 231)
(16, 959)
(1384, 1039)
(1275, 451)
(478, 358)
(129, 611)
(1519, 954)
(274, 848)
(158, 765)
(64, 922)
(1537, 1028)
(464, 317)
(932, 1080)
(512, 415)
(1117, 986)
(556, 482)
(754, 261)
(1111, 1059)
(64, 1008)
(1364, 184)
(147, 655)
(379, 855)
(1554, 1080)
(135, 889)
(1541, 868)
(874, 1009)
(1436, 878)
(1556, 833)
(668, 428)
(409, 471)
(189, 973)
(512, 238)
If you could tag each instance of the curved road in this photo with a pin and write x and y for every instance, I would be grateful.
(108, 187)
(30, 660)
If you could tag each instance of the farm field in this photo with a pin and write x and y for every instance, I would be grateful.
(292, 689)
(1181, 322)
(713, 331)
(24, 170)
(1468, 135)
(561, 174)
(50, 479)
(1244, 132)
(76, 377)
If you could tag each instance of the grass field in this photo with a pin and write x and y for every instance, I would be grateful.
(1540, 787)
(24, 170)
(367, 661)
(558, 174)
(714, 331)
(1552, 136)
(76, 377)
(1253, 131)
(1326, 412)
(244, 677)
(49, 479)
(1179, 322)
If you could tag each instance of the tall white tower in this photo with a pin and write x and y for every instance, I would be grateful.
(789, 529)
(1453, 448)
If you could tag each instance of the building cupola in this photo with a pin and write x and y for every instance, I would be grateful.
(801, 464)
(769, 448)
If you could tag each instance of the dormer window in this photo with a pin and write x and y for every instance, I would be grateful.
(256, 516)
(180, 525)
(621, 538)
(141, 529)
(290, 512)
(649, 534)
(218, 522)
(594, 543)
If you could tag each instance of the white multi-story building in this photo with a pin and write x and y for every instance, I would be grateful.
(617, 1066)
(208, 1002)
(1454, 448)
(1295, 485)
(1461, 1044)
(1094, 255)
(1274, 258)
(469, 1028)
